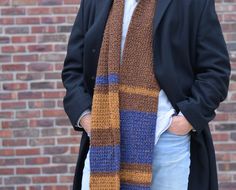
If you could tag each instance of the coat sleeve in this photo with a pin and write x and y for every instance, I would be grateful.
(77, 98)
(212, 71)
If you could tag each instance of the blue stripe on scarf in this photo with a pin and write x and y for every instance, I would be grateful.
(136, 128)
(103, 80)
(100, 155)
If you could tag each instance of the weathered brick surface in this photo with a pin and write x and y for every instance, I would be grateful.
(38, 146)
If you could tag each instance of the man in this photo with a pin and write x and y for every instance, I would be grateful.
(191, 67)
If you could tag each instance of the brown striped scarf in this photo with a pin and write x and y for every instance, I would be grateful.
(124, 103)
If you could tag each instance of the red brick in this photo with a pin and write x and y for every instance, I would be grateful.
(6, 21)
(227, 186)
(29, 76)
(54, 169)
(21, 188)
(7, 152)
(27, 114)
(13, 11)
(44, 179)
(54, 132)
(5, 2)
(73, 2)
(63, 122)
(15, 86)
(5, 133)
(55, 150)
(25, 58)
(43, 29)
(26, 133)
(38, 160)
(224, 177)
(13, 67)
(13, 49)
(59, 85)
(27, 20)
(41, 123)
(6, 171)
(64, 159)
(14, 142)
(54, 94)
(24, 2)
(17, 180)
(55, 187)
(223, 156)
(69, 140)
(4, 40)
(225, 147)
(60, 48)
(27, 171)
(42, 104)
(40, 67)
(66, 179)
(23, 39)
(6, 77)
(41, 141)
(5, 58)
(15, 124)
(6, 114)
(74, 150)
(53, 20)
(28, 151)
(8, 96)
(13, 105)
(53, 76)
(11, 161)
(227, 166)
(50, 2)
(53, 113)
(52, 38)
(38, 11)
(40, 48)
(29, 95)
(64, 10)
(42, 85)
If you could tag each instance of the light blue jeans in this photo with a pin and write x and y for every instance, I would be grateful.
(171, 162)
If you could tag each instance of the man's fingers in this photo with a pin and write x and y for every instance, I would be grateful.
(179, 125)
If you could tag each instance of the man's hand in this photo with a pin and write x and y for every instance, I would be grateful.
(85, 122)
(180, 125)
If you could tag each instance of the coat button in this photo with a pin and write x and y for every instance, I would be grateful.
(94, 50)
(93, 77)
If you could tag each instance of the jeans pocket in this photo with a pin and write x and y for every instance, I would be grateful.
(171, 133)
(178, 135)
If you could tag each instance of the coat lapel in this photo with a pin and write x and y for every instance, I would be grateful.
(102, 8)
(161, 7)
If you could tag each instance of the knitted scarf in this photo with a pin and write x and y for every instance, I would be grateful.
(124, 106)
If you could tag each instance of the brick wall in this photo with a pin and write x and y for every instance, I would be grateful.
(38, 146)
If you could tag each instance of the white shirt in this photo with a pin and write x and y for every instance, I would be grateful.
(165, 109)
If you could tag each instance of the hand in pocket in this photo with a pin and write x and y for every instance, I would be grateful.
(86, 123)
(180, 125)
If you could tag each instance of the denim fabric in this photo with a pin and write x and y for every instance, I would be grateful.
(171, 162)
(86, 174)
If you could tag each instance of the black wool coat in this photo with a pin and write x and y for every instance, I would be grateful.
(191, 64)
